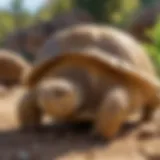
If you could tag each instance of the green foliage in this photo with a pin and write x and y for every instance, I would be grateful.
(20, 16)
(148, 2)
(53, 8)
(154, 48)
(120, 17)
(15, 18)
(114, 12)
(6, 24)
(105, 11)
(96, 8)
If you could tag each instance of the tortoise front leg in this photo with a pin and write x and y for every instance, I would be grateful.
(29, 113)
(113, 112)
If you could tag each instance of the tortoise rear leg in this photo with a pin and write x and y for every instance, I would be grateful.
(29, 113)
(149, 110)
(147, 113)
(113, 112)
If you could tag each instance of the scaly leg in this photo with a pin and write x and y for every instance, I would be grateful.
(29, 114)
(150, 109)
(112, 112)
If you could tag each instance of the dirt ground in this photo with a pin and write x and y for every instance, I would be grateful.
(69, 142)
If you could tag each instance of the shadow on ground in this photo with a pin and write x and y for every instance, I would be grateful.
(49, 142)
(54, 142)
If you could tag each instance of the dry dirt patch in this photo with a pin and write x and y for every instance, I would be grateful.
(71, 142)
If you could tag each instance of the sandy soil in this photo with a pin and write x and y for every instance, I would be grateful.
(71, 142)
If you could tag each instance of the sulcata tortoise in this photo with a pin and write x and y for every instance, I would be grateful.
(12, 66)
(90, 73)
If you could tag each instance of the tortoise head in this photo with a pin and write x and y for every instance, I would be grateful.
(58, 97)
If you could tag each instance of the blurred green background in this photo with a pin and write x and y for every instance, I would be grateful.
(105, 11)
(128, 15)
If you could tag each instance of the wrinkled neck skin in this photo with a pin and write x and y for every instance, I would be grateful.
(74, 84)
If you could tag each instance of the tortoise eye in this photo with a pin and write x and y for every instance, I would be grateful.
(59, 92)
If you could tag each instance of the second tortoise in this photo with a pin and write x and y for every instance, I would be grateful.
(12, 68)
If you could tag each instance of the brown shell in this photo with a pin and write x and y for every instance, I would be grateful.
(12, 66)
(96, 45)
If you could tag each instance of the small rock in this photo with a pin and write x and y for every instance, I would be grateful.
(151, 148)
(148, 131)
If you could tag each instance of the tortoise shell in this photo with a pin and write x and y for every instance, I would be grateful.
(96, 45)
(12, 66)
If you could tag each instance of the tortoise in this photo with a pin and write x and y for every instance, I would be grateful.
(12, 66)
(92, 73)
